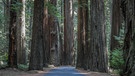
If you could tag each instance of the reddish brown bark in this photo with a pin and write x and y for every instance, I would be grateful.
(82, 50)
(98, 51)
(68, 33)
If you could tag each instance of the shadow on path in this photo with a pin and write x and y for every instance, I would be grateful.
(64, 71)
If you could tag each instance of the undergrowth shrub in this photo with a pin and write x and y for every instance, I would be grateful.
(117, 60)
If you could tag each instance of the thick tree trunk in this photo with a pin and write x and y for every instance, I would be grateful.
(82, 53)
(12, 58)
(98, 51)
(21, 51)
(68, 33)
(128, 8)
(36, 58)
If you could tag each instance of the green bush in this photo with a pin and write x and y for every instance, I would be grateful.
(117, 61)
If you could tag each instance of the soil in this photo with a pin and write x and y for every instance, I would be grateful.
(16, 72)
(90, 73)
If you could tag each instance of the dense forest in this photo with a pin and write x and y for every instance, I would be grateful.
(94, 35)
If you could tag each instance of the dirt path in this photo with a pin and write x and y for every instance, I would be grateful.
(64, 71)
(60, 71)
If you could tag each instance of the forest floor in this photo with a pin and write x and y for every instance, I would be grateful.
(16, 72)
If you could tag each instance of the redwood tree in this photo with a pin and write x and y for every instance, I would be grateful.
(12, 58)
(128, 8)
(68, 33)
(21, 51)
(116, 24)
(46, 37)
(54, 34)
(82, 49)
(98, 51)
(36, 58)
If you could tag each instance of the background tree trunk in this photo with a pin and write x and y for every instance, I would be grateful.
(46, 37)
(98, 51)
(68, 32)
(36, 58)
(116, 24)
(21, 51)
(82, 53)
(12, 58)
(54, 46)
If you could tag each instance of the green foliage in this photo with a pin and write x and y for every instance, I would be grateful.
(52, 10)
(23, 67)
(16, 6)
(3, 38)
(117, 61)
(107, 20)
(4, 57)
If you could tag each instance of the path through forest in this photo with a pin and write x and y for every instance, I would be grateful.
(64, 71)
(54, 71)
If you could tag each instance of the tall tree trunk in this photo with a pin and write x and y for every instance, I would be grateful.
(46, 37)
(68, 33)
(82, 53)
(12, 58)
(128, 8)
(116, 24)
(54, 36)
(36, 58)
(21, 51)
(98, 51)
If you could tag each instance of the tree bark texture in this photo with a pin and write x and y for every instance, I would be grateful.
(98, 51)
(51, 36)
(116, 24)
(46, 37)
(36, 58)
(12, 58)
(128, 8)
(54, 46)
(82, 49)
(68, 33)
(21, 51)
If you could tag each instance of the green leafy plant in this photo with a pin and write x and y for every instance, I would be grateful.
(117, 59)
(23, 67)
